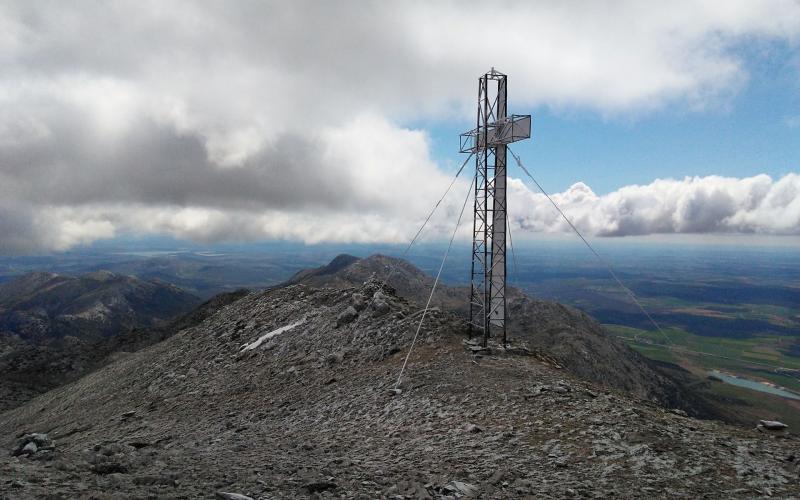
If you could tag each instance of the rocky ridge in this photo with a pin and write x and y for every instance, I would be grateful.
(287, 394)
(569, 337)
(40, 307)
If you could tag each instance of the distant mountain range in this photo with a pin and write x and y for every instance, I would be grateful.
(56, 328)
(41, 307)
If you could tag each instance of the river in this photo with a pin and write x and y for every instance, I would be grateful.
(756, 386)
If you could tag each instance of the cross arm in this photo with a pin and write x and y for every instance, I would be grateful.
(504, 131)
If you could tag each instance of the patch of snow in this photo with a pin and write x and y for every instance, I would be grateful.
(273, 333)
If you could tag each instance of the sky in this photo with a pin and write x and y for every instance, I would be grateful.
(338, 122)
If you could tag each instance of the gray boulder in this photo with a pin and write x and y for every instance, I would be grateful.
(41, 440)
(379, 304)
(346, 316)
(379, 308)
(772, 425)
(462, 489)
(30, 444)
(358, 301)
(472, 428)
(335, 357)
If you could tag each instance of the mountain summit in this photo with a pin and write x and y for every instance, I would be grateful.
(569, 337)
(290, 393)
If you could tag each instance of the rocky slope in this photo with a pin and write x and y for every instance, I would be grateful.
(408, 280)
(571, 338)
(39, 307)
(29, 369)
(55, 328)
(288, 394)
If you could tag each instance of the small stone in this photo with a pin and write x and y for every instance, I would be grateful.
(461, 488)
(224, 495)
(346, 316)
(29, 449)
(562, 387)
(320, 486)
(379, 308)
(472, 428)
(394, 391)
(539, 388)
(358, 301)
(42, 440)
(772, 425)
(335, 357)
(497, 476)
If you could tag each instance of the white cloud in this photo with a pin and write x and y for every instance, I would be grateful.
(710, 204)
(245, 120)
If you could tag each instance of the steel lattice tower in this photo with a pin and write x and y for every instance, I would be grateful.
(488, 141)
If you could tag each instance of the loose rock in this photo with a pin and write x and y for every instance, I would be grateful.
(461, 488)
(472, 428)
(346, 316)
(358, 301)
(772, 425)
(31, 444)
(379, 308)
(320, 486)
(29, 449)
(223, 495)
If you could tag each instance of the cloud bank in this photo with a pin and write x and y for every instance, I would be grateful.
(221, 121)
(754, 205)
(710, 204)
